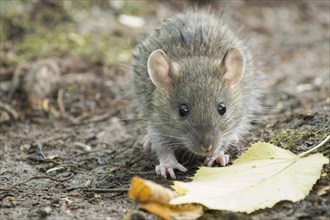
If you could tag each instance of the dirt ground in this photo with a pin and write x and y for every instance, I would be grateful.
(85, 138)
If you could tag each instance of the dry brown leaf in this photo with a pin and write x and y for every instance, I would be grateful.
(146, 191)
(155, 199)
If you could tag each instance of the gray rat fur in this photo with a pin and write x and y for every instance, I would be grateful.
(195, 45)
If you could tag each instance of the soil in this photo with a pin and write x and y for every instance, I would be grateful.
(86, 138)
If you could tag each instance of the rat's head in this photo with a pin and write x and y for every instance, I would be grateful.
(197, 104)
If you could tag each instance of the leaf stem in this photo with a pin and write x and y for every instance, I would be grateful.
(316, 147)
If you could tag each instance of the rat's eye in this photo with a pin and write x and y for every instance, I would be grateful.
(221, 108)
(183, 110)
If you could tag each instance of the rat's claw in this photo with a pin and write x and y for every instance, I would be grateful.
(223, 159)
(163, 170)
(209, 161)
(219, 157)
(181, 168)
(160, 170)
(171, 172)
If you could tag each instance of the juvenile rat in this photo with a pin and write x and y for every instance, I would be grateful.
(194, 80)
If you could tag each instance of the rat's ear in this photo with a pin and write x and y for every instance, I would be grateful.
(232, 66)
(160, 70)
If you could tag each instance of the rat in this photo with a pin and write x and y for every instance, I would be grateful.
(195, 82)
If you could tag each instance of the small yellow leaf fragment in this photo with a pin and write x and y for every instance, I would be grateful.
(324, 174)
(9, 198)
(323, 190)
(67, 200)
(155, 199)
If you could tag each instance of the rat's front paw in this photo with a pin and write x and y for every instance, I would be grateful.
(218, 156)
(168, 168)
(167, 162)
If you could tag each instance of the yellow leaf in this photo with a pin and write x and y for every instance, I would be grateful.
(264, 151)
(155, 199)
(261, 177)
(180, 191)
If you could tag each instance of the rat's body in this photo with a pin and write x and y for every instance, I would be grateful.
(194, 80)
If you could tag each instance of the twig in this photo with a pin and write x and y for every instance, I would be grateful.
(96, 119)
(13, 114)
(32, 178)
(84, 153)
(142, 172)
(54, 137)
(100, 190)
(60, 100)
(316, 147)
(85, 186)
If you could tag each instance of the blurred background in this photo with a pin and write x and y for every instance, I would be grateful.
(65, 107)
(45, 43)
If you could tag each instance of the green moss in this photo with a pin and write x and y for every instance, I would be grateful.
(105, 48)
(138, 8)
(291, 138)
(9, 8)
(54, 33)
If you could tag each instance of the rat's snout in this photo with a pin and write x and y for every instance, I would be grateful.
(206, 148)
(205, 144)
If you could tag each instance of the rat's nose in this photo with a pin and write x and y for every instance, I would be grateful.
(205, 142)
(206, 148)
